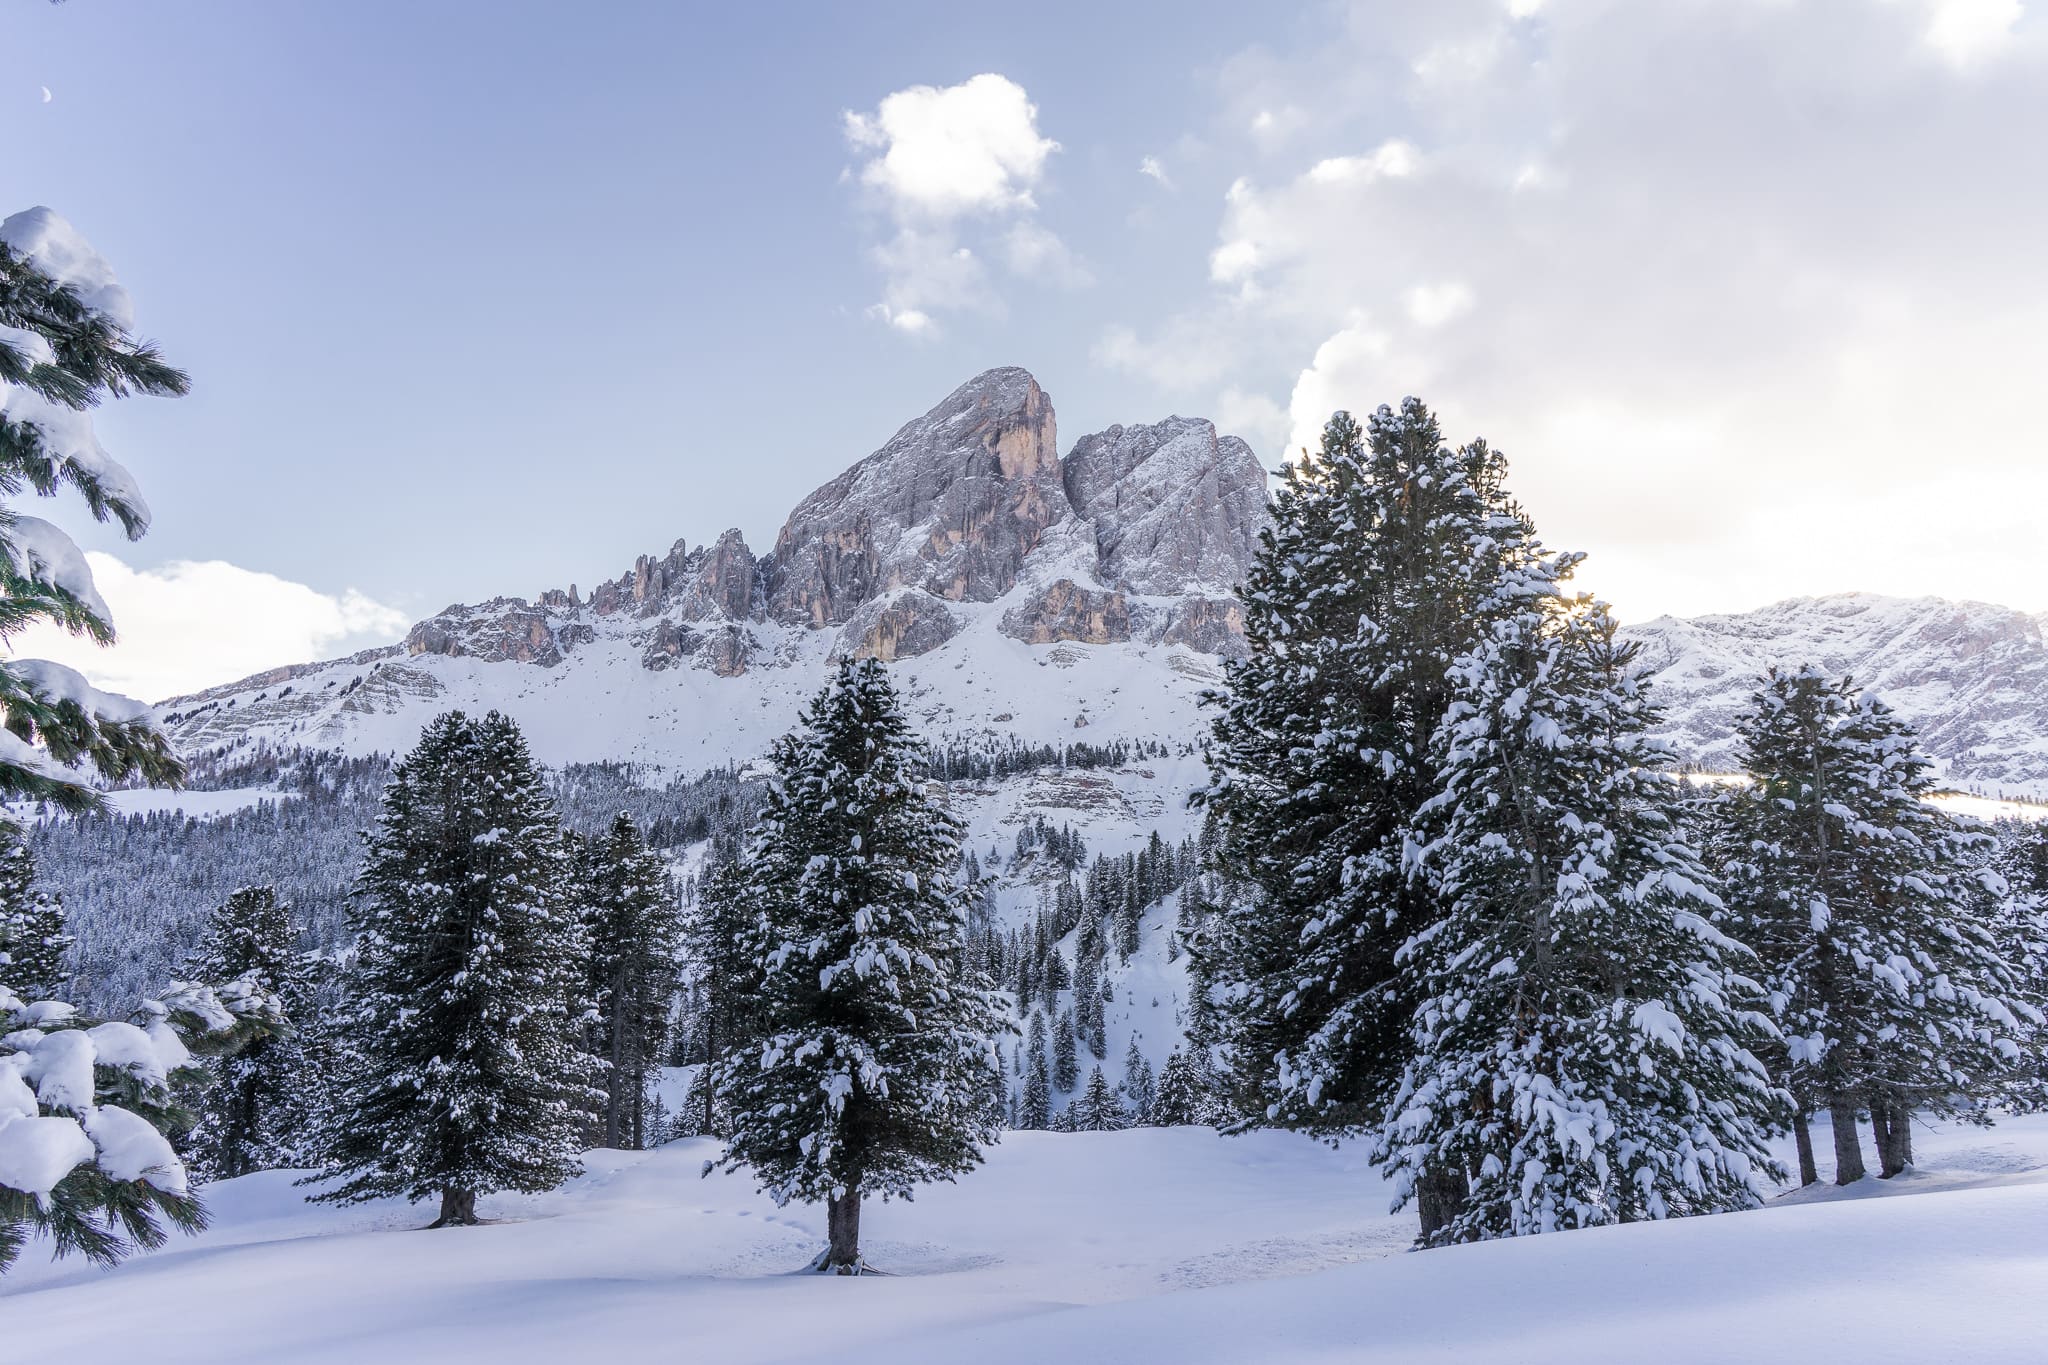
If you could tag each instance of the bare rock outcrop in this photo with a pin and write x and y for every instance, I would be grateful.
(502, 630)
(898, 627)
(1069, 611)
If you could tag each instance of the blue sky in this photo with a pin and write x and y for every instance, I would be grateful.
(490, 297)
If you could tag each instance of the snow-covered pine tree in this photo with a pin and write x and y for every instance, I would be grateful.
(1183, 1095)
(632, 923)
(463, 1009)
(1034, 1108)
(1140, 1086)
(2019, 927)
(1864, 901)
(32, 936)
(251, 1112)
(1584, 1050)
(1096, 1109)
(873, 1075)
(1384, 550)
(724, 974)
(1066, 1066)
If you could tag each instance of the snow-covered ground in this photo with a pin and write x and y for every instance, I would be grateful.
(1164, 1245)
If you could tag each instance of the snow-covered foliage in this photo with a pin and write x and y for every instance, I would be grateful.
(66, 343)
(85, 1106)
(1583, 1048)
(1384, 555)
(876, 1067)
(462, 1011)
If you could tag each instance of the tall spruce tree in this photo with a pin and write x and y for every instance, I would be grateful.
(632, 923)
(1066, 1065)
(1864, 901)
(1583, 1053)
(33, 940)
(251, 1111)
(874, 1072)
(1385, 549)
(463, 998)
(725, 975)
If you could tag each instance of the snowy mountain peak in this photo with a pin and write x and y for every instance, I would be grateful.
(951, 506)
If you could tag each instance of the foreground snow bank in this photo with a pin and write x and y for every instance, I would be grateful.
(1154, 1245)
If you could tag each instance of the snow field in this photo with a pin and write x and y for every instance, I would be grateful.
(1145, 1245)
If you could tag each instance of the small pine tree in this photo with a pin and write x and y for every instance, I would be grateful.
(1096, 1109)
(632, 923)
(251, 1111)
(1184, 1096)
(32, 936)
(464, 1020)
(873, 1076)
(1583, 1049)
(1139, 1085)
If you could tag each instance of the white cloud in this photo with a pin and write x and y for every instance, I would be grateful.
(188, 625)
(1967, 31)
(944, 164)
(1152, 168)
(1746, 268)
(940, 153)
(1393, 158)
(1433, 305)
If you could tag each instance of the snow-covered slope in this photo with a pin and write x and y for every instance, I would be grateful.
(1167, 1245)
(1971, 676)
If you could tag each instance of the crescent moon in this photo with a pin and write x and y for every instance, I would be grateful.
(46, 94)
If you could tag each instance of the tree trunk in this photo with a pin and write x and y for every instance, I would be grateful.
(458, 1209)
(1809, 1173)
(1439, 1199)
(1881, 1137)
(842, 1222)
(710, 1076)
(1894, 1138)
(1848, 1143)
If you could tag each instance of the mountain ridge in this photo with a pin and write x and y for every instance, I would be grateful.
(1026, 592)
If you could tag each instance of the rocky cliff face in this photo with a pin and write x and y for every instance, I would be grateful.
(952, 505)
(1141, 533)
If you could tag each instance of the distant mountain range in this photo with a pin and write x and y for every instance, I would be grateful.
(1043, 596)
